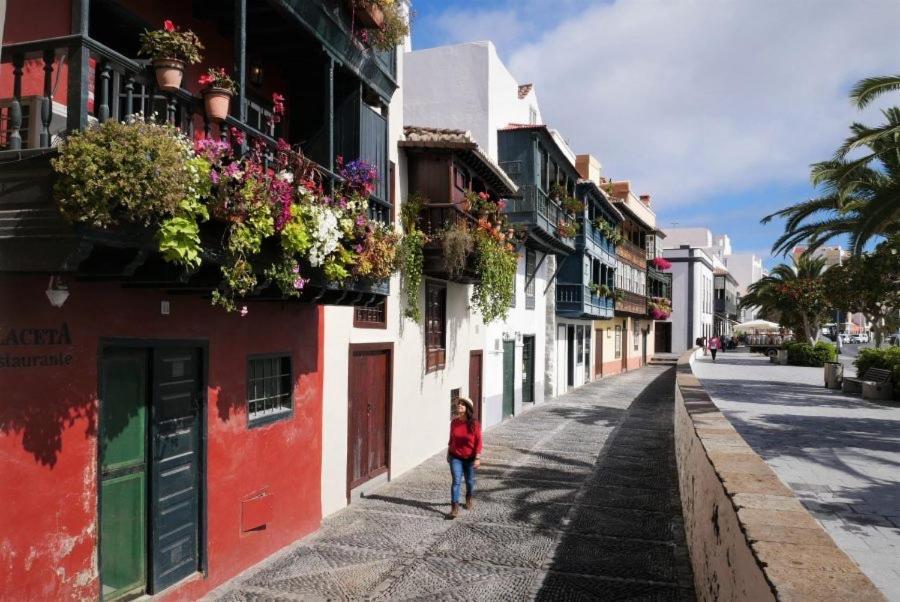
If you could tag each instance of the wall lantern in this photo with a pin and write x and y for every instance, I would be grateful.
(57, 291)
(256, 74)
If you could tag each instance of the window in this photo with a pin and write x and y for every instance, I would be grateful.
(460, 178)
(269, 388)
(636, 333)
(530, 271)
(587, 353)
(454, 395)
(532, 116)
(435, 326)
(618, 345)
(373, 316)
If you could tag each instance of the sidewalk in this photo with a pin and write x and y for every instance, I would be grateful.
(577, 498)
(840, 454)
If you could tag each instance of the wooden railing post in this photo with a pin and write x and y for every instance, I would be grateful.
(77, 117)
(47, 101)
(129, 96)
(103, 111)
(15, 109)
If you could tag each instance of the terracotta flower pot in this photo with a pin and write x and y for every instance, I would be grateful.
(369, 15)
(216, 101)
(169, 73)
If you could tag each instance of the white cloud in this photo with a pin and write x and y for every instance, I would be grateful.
(693, 99)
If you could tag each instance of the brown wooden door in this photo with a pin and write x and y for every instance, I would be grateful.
(475, 381)
(369, 408)
(598, 354)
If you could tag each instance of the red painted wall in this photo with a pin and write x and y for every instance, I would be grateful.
(48, 421)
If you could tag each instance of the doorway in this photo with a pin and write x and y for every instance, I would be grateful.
(662, 337)
(528, 369)
(570, 356)
(369, 400)
(562, 352)
(598, 354)
(509, 381)
(150, 456)
(475, 367)
(644, 347)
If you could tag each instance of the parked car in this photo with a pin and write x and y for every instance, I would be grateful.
(845, 337)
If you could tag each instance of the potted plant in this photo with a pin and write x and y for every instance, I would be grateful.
(572, 205)
(217, 91)
(169, 50)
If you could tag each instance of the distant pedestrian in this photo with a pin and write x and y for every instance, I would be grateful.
(715, 343)
(463, 453)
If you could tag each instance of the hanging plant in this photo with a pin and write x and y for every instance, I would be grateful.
(385, 23)
(457, 243)
(566, 229)
(572, 205)
(411, 255)
(557, 191)
(170, 49)
(217, 90)
(661, 263)
(601, 290)
(496, 263)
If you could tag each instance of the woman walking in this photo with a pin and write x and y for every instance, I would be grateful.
(715, 343)
(463, 453)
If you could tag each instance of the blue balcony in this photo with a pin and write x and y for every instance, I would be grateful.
(578, 301)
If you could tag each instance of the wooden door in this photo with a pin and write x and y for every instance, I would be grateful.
(598, 354)
(662, 337)
(175, 448)
(475, 364)
(368, 411)
(528, 369)
(509, 383)
(123, 471)
(624, 345)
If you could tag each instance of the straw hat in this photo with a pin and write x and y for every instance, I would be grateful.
(466, 401)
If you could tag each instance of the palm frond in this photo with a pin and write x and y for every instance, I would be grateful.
(870, 88)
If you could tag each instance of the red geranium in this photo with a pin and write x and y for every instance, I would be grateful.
(168, 25)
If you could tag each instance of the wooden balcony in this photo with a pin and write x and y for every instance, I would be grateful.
(659, 284)
(632, 304)
(102, 84)
(541, 217)
(590, 240)
(631, 253)
(434, 220)
(576, 300)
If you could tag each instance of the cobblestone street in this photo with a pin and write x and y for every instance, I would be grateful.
(577, 499)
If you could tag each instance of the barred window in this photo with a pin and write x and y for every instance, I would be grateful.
(370, 316)
(435, 326)
(269, 388)
(530, 277)
(618, 345)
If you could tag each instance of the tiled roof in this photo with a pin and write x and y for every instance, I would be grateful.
(524, 89)
(415, 133)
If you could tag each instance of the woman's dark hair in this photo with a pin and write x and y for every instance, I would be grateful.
(470, 414)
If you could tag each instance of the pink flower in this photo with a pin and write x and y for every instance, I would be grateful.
(205, 79)
(244, 311)
(168, 25)
(300, 282)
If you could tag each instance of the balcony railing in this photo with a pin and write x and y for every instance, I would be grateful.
(659, 284)
(632, 252)
(726, 306)
(591, 239)
(434, 220)
(632, 303)
(102, 84)
(576, 300)
(543, 217)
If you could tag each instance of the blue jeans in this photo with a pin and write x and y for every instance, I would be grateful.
(459, 466)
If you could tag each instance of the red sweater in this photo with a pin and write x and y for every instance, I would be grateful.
(463, 443)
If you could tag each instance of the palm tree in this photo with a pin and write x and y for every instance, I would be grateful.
(861, 195)
(794, 295)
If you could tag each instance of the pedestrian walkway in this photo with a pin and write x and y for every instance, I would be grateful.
(838, 453)
(576, 498)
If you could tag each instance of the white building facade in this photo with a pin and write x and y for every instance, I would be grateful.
(692, 295)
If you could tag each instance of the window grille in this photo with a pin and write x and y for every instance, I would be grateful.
(269, 388)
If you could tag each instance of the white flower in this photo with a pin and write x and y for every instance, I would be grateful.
(285, 176)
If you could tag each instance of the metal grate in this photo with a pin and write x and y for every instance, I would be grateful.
(269, 388)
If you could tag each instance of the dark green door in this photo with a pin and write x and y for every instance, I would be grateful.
(123, 471)
(175, 447)
(509, 368)
(528, 369)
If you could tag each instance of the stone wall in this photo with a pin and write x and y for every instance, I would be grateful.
(748, 535)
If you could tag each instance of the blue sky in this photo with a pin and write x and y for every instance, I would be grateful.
(715, 107)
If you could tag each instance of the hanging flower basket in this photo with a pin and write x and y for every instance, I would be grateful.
(660, 263)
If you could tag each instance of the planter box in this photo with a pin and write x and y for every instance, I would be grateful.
(369, 16)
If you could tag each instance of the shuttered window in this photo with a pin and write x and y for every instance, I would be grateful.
(435, 326)
(530, 270)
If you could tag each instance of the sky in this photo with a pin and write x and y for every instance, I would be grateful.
(714, 107)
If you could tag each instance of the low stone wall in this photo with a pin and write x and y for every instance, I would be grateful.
(748, 535)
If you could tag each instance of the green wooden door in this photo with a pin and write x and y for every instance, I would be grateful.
(509, 367)
(123, 472)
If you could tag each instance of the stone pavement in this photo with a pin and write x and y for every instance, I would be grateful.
(840, 454)
(576, 499)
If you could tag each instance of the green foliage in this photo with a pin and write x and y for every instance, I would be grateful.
(457, 243)
(804, 354)
(411, 256)
(179, 241)
(395, 27)
(125, 172)
(170, 43)
(601, 290)
(887, 358)
(496, 267)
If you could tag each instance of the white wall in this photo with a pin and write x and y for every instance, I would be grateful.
(694, 237)
(700, 316)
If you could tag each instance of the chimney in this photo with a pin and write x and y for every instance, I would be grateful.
(588, 168)
(645, 199)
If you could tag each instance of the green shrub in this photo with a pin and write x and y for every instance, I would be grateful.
(887, 358)
(804, 354)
